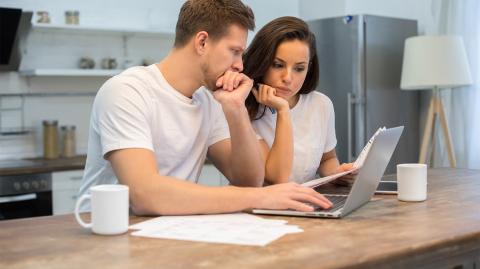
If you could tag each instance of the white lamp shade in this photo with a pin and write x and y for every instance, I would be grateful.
(430, 61)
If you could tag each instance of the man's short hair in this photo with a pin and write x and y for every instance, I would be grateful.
(212, 16)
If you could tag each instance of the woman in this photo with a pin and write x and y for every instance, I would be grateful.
(298, 129)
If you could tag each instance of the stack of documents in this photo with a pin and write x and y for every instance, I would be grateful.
(363, 154)
(356, 165)
(238, 228)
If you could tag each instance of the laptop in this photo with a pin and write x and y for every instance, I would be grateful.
(364, 186)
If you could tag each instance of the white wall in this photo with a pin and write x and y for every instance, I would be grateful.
(267, 10)
(318, 9)
(408, 9)
(62, 50)
(120, 13)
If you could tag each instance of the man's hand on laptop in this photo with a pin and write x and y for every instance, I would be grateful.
(289, 196)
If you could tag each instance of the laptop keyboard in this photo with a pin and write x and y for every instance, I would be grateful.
(337, 200)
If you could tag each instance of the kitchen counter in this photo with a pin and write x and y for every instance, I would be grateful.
(442, 232)
(40, 165)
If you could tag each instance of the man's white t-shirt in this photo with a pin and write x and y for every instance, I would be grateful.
(139, 109)
(313, 122)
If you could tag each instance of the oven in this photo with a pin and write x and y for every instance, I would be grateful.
(25, 196)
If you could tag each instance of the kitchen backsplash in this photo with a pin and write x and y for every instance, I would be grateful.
(67, 110)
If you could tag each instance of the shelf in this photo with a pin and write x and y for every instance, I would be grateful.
(84, 29)
(15, 131)
(47, 94)
(70, 72)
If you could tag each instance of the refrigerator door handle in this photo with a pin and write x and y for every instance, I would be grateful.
(350, 103)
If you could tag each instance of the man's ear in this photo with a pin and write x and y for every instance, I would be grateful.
(200, 41)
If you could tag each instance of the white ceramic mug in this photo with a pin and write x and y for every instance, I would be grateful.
(109, 209)
(412, 182)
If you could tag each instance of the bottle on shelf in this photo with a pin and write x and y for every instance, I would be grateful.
(50, 139)
(68, 141)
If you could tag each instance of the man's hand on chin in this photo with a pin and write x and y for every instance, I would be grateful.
(232, 89)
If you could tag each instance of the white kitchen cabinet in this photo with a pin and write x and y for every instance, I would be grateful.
(223, 180)
(211, 176)
(65, 186)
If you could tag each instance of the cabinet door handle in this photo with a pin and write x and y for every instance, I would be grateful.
(76, 178)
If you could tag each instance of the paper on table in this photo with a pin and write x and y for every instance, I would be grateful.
(241, 217)
(239, 228)
(363, 154)
(356, 165)
(323, 180)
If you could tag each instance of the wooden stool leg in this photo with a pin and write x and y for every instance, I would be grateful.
(443, 120)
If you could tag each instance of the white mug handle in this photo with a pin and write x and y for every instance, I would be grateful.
(77, 214)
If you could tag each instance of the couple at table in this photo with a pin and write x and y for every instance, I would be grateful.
(253, 112)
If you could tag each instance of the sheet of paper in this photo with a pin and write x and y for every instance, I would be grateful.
(239, 228)
(363, 154)
(323, 180)
(356, 165)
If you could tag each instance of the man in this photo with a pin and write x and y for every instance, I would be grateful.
(152, 127)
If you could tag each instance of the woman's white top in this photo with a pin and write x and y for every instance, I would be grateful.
(313, 122)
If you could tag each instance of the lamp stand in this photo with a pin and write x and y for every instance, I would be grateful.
(436, 110)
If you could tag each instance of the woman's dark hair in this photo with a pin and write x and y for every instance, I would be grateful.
(260, 55)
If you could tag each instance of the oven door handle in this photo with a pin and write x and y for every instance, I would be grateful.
(18, 198)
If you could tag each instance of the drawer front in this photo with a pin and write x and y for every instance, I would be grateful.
(67, 180)
(64, 201)
(209, 176)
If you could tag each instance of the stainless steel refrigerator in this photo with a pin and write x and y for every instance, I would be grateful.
(360, 67)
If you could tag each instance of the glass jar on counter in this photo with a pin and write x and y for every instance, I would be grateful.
(72, 17)
(50, 139)
(68, 141)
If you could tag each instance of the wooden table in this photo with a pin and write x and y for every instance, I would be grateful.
(442, 232)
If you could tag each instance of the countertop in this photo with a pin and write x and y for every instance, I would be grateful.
(442, 232)
(40, 165)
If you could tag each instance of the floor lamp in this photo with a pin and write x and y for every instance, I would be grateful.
(435, 63)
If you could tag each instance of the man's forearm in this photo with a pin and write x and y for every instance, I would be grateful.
(161, 195)
(246, 162)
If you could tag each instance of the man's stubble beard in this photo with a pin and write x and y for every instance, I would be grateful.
(210, 79)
